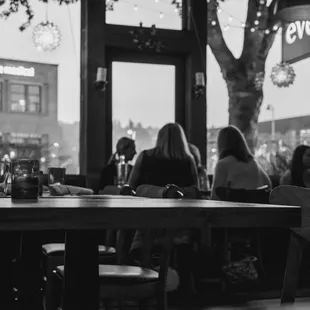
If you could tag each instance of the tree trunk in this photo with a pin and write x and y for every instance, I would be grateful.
(244, 108)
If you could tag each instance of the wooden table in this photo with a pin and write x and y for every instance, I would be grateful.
(80, 217)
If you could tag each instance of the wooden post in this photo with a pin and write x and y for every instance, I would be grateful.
(196, 109)
(92, 137)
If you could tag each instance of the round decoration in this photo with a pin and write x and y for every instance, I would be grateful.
(283, 75)
(46, 36)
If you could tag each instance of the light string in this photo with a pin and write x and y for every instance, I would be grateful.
(136, 7)
(254, 27)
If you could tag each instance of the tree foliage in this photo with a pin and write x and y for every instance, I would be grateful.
(15, 5)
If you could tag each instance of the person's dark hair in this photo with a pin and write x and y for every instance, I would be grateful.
(122, 145)
(172, 143)
(196, 154)
(297, 167)
(231, 142)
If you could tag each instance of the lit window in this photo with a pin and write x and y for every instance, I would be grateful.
(25, 98)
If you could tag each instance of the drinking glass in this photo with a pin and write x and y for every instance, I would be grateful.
(25, 175)
(56, 175)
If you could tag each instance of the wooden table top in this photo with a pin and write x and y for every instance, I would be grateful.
(59, 213)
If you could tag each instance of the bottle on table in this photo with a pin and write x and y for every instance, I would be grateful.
(122, 171)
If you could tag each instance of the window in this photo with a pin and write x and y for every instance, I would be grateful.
(142, 113)
(164, 14)
(46, 104)
(25, 98)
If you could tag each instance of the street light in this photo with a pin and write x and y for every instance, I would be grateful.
(270, 107)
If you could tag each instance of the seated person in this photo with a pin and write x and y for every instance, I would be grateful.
(299, 172)
(125, 146)
(202, 172)
(170, 162)
(236, 167)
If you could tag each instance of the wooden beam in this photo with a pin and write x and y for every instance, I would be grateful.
(93, 117)
(196, 113)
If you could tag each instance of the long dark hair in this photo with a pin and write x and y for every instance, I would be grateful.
(172, 143)
(297, 166)
(231, 142)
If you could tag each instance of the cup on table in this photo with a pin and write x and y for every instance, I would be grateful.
(25, 174)
(56, 176)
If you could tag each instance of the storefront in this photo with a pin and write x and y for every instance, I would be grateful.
(28, 109)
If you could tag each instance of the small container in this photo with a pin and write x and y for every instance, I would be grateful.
(25, 174)
(122, 171)
(56, 175)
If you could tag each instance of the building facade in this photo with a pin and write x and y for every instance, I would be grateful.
(28, 111)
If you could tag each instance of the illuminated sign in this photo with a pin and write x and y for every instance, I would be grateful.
(18, 71)
(297, 30)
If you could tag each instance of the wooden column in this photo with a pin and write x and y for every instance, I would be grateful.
(93, 116)
(196, 109)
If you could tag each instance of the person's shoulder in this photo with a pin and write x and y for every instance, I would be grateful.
(227, 160)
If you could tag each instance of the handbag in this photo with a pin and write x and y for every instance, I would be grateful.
(241, 271)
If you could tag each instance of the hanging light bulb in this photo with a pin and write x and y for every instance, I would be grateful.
(230, 18)
(252, 29)
(135, 8)
(161, 15)
(46, 36)
(213, 23)
(256, 22)
(243, 25)
(267, 31)
(259, 14)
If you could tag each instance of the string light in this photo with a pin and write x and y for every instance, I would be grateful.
(135, 8)
(253, 27)
(161, 15)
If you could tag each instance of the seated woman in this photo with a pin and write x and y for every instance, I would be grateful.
(202, 172)
(299, 172)
(170, 162)
(236, 167)
(125, 146)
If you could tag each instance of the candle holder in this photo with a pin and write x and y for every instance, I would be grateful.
(25, 175)
(199, 86)
(101, 79)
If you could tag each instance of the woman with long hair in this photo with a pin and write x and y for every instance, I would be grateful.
(124, 146)
(299, 172)
(170, 162)
(236, 166)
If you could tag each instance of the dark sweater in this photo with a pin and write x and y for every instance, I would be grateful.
(159, 171)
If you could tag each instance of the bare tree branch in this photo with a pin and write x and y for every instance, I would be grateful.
(216, 41)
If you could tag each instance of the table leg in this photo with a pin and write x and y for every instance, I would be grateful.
(81, 283)
(291, 276)
(7, 241)
(30, 282)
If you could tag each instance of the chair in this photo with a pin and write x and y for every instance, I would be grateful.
(116, 190)
(53, 253)
(122, 283)
(299, 239)
(151, 191)
(183, 246)
(237, 236)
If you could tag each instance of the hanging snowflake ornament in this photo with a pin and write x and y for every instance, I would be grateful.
(110, 4)
(46, 36)
(259, 80)
(283, 75)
